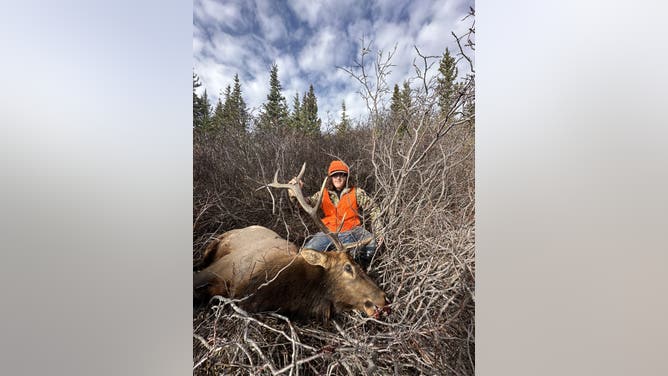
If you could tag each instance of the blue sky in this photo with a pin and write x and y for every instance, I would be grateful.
(308, 39)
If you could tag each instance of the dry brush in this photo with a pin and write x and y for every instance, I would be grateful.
(421, 177)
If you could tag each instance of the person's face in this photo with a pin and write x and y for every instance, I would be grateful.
(339, 180)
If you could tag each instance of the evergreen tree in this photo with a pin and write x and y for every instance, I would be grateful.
(201, 106)
(197, 103)
(395, 105)
(311, 121)
(400, 107)
(296, 116)
(239, 111)
(406, 98)
(196, 84)
(227, 112)
(406, 106)
(344, 125)
(205, 112)
(275, 110)
(218, 118)
(446, 82)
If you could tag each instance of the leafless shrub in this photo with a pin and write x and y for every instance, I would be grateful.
(422, 178)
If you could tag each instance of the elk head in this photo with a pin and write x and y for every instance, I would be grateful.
(350, 287)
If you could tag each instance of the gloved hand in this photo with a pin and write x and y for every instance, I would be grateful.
(294, 181)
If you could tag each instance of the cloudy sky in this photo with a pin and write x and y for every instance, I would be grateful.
(309, 39)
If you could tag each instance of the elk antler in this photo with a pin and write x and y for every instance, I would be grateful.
(312, 211)
(357, 244)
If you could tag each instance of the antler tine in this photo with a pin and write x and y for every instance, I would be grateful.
(343, 220)
(322, 188)
(301, 172)
(360, 243)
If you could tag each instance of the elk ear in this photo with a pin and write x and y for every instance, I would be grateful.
(314, 257)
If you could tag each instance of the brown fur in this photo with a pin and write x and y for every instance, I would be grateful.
(311, 284)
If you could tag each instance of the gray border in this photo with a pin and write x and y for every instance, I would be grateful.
(96, 188)
(571, 167)
(571, 182)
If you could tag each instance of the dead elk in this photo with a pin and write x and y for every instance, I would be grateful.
(268, 273)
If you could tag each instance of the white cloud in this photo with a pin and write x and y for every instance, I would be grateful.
(198, 45)
(390, 9)
(307, 10)
(271, 23)
(326, 35)
(319, 13)
(217, 13)
(321, 53)
(420, 11)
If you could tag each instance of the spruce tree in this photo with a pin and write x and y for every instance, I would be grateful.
(202, 112)
(239, 105)
(296, 115)
(344, 125)
(275, 111)
(400, 107)
(196, 84)
(406, 105)
(406, 98)
(197, 103)
(395, 106)
(206, 111)
(227, 113)
(446, 82)
(311, 121)
(218, 117)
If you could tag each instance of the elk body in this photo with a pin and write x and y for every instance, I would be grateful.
(268, 273)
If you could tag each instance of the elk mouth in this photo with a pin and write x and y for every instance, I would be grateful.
(375, 311)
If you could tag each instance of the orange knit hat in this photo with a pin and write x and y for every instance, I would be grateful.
(337, 166)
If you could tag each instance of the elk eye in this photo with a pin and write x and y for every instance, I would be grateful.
(348, 269)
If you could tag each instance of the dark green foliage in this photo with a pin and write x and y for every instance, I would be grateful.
(230, 110)
(406, 97)
(196, 84)
(446, 81)
(238, 114)
(304, 116)
(309, 109)
(201, 106)
(275, 110)
(344, 125)
(395, 107)
(296, 115)
(219, 111)
(202, 117)
(401, 106)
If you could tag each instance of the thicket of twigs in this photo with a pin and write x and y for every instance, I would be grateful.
(423, 180)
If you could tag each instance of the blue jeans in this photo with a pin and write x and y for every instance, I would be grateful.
(321, 242)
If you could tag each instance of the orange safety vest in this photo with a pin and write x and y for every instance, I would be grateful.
(335, 214)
